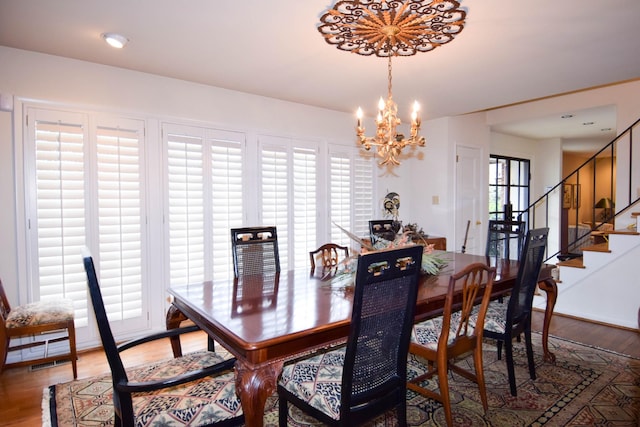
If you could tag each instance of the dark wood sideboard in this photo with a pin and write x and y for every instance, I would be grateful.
(439, 243)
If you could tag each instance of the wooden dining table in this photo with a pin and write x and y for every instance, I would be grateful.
(266, 320)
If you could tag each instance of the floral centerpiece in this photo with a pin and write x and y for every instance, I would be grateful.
(432, 260)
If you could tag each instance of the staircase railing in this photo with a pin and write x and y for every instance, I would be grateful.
(589, 198)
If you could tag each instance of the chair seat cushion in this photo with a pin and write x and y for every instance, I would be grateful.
(200, 402)
(40, 313)
(427, 333)
(317, 380)
(496, 318)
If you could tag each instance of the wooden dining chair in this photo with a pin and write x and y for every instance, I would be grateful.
(37, 321)
(255, 251)
(367, 377)
(194, 389)
(510, 318)
(328, 255)
(441, 340)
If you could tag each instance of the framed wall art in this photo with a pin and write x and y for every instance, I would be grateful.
(567, 195)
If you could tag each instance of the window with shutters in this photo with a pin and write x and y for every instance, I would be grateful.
(77, 170)
(120, 217)
(204, 200)
(351, 193)
(289, 196)
(86, 185)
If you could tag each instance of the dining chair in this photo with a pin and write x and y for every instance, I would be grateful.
(255, 251)
(441, 340)
(510, 318)
(194, 389)
(38, 321)
(366, 377)
(382, 229)
(505, 239)
(328, 255)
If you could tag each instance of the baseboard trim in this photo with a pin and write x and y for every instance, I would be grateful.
(595, 322)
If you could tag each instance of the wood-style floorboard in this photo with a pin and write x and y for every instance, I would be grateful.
(21, 389)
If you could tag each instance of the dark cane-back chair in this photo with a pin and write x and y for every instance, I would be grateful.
(508, 319)
(255, 251)
(367, 377)
(505, 238)
(382, 229)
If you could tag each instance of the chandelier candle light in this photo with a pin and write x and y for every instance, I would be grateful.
(389, 28)
(389, 142)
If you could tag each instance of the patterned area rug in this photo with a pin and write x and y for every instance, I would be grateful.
(585, 387)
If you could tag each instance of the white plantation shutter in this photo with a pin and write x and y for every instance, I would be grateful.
(77, 170)
(304, 204)
(274, 185)
(185, 176)
(351, 186)
(340, 203)
(363, 191)
(120, 217)
(204, 179)
(288, 188)
(227, 196)
(60, 226)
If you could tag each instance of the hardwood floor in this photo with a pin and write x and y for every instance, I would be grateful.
(620, 340)
(21, 389)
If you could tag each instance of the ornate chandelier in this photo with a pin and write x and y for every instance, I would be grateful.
(389, 142)
(389, 28)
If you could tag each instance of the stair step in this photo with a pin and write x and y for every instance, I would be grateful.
(598, 247)
(634, 214)
(608, 232)
(574, 262)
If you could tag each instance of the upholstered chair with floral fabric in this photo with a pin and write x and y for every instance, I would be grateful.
(52, 319)
(196, 389)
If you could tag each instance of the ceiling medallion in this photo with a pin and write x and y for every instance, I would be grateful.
(387, 29)
(398, 28)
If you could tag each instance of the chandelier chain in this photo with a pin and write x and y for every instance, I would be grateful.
(389, 78)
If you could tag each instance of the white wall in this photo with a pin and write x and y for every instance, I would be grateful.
(29, 75)
(545, 156)
(45, 78)
(8, 257)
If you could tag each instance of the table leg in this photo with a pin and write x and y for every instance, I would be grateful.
(548, 285)
(173, 320)
(255, 384)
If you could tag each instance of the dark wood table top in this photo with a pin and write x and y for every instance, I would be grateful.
(261, 319)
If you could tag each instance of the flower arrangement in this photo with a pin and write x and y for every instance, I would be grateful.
(432, 260)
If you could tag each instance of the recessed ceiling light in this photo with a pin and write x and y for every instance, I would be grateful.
(566, 116)
(587, 123)
(605, 129)
(116, 40)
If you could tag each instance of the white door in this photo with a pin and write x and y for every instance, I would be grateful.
(469, 192)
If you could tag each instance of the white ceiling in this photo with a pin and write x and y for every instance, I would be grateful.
(509, 52)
